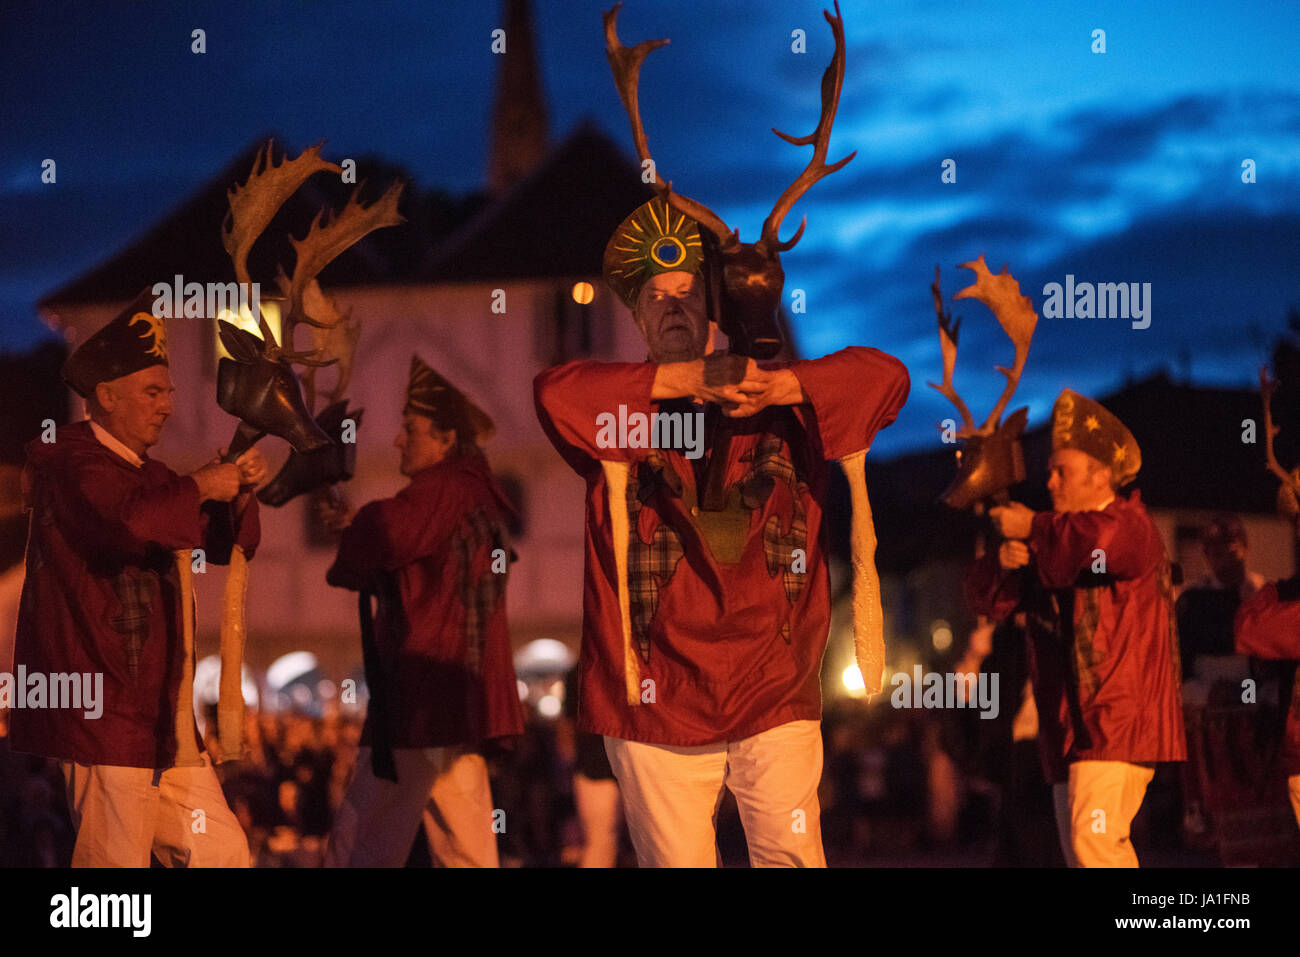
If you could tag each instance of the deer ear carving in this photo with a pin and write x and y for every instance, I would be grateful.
(242, 345)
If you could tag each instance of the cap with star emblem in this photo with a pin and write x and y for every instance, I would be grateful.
(1080, 423)
(654, 239)
(134, 340)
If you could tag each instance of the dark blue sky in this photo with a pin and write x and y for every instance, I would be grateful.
(1115, 167)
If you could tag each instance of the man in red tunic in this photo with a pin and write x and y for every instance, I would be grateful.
(438, 657)
(1095, 582)
(102, 599)
(703, 631)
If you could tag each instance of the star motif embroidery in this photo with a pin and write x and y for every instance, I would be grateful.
(1091, 423)
(1120, 453)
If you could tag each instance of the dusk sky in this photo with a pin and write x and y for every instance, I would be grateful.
(1122, 166)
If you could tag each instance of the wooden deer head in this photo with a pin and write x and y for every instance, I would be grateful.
(991, 459)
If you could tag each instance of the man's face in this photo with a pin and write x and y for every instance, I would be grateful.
(136, 406)
(1077, 481)
(1227, 560)
(421, 444)
(671, 315)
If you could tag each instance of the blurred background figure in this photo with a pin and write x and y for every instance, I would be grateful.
(596, 798)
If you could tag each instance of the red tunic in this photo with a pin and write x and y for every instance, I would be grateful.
(102, 595)
(429, 554)
(1103, 646)
(1268, 626)
(732, 649)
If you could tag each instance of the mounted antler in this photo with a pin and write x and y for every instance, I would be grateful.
(1015, 314)
(819, 139)
(992, 460)
(626, 65)
(324, 241)
(1267, 387)
(750, 273)
(254, 205)
(948, 346)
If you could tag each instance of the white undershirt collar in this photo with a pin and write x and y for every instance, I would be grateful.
(110, 442)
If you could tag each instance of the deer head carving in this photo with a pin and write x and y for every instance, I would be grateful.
(991, 460)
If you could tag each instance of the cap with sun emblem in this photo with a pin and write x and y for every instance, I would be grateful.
(654, 239)
(430, 394)
(1080, 423)
(134, 340)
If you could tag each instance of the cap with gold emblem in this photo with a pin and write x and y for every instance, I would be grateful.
(654, 239)
(134, 340)
(1080, 423)
(430, 394)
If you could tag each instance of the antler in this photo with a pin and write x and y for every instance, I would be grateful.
(322, 244)
(819, 139)
(626, 66)
(254, 205)
(1016, 315)
(948, 345)
(335, 335)
(1267, 387)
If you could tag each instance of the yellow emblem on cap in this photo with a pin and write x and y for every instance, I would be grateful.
(154, 330)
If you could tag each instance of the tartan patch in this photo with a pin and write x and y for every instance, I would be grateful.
(770, 466)
(650, 565)
(481, 589)
(135, 589)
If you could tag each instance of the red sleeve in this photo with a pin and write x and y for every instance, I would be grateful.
(854, 393)
(1268, 627)
(1064, 545)
(992, 590)
(247, 527)
(392, 532)
(570, 398)
(117, 515)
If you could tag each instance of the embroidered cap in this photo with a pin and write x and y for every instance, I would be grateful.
(1080, 423)
(134, 340)
(431, 394)
(654, 239)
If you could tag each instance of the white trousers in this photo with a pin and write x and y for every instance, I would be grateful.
(600, 813)
(1096, 809)
(446, 788)
(180, 815)
(671, 797)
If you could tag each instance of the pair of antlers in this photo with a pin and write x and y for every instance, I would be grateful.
(252, 207)
(626, 64)
(1015, 314)
(1267, 386)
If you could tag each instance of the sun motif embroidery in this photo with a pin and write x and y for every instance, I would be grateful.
(155, 331)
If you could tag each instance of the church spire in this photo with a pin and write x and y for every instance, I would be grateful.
(519, 111)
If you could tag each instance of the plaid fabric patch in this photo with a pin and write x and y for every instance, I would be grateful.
(650, 565)
(768, 467)
(481, 589)
(135, 590)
